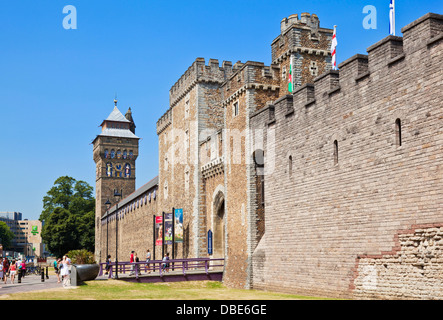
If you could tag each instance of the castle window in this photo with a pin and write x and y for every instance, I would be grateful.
(259, 158)
(112, 154)
(283, 73)
(313, 68)
(398, 141)
(127, 170)
(335, 152)
(109, 169)
(106, 153)
(235, 109)
(166, 190)
(119, 154)
(187, 180)
(187, 109)
(125, 154)
(290, 166)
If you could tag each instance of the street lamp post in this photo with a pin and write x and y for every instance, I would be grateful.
(117, 197)
(108, 205)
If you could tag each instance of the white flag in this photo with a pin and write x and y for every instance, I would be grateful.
(392, 18)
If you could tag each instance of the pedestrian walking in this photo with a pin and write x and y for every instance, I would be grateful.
(165, 266)
(13, 270)
(23, 268)
(131, 260)
(1, 269)
(57, 263)
(148, 259)
(5, 269)
(108, 263)
(137, 266)
(65, 273)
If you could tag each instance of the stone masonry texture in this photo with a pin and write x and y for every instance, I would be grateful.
(332, 190)
(369, 225)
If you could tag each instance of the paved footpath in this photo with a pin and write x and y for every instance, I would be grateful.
(29, 283)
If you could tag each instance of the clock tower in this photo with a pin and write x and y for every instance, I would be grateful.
(115, 152)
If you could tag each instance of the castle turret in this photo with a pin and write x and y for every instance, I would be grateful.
(115, 152)
(303, 44)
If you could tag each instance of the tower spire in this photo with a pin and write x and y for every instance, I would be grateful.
(115, 99)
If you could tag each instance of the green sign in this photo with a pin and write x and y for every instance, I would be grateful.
(34, 230)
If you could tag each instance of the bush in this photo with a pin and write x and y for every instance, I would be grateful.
(82, 256)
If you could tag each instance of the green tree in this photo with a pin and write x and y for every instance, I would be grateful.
(69, 214)
(6, 235)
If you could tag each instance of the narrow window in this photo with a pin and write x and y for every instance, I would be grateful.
(335, 152)
(290, 166)
(235, 111)
(398, 132)
(187, 109)
(259, 160)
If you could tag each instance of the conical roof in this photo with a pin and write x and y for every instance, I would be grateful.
(116, 115)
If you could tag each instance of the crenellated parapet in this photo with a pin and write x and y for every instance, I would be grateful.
(391, 53)
(164, 121)
(199, 72)
(355, 156)
(250, 75)
(301, 35)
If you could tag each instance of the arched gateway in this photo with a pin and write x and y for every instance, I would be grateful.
(219, 225)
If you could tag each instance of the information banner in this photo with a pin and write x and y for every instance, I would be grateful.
(178, 226)
(168, 228)
(210, 242)
(158, 231)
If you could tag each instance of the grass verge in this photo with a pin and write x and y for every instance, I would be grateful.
(120, 290)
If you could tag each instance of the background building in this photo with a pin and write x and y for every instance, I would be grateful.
(27, 235)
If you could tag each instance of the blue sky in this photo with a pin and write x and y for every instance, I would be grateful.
(57, 85)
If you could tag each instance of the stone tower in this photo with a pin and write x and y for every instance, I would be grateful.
(115, 152)
(304, 43)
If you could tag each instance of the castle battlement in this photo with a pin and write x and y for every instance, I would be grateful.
(355, 156)
(199, 72)
(305, 20)
(250, 75)
(301, 35)
(164, 121)
(392, 53)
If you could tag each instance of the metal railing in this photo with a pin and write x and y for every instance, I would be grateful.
(162, 267)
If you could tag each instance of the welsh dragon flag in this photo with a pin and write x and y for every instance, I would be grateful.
(290, 85)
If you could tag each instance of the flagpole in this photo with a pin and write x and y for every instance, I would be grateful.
(393, 13)
(392, 17)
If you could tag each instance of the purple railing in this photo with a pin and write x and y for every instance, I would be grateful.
(158, 266)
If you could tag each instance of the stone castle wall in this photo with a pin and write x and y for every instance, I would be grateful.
(350, 210)
(345, 209)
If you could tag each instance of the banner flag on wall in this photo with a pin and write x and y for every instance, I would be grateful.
(178, 228)
(158, 230)
(168, 228)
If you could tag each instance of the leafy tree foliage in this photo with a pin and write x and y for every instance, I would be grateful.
(68, 212)
(6, 235)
